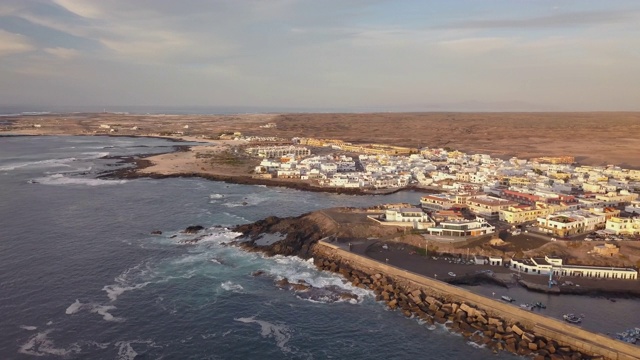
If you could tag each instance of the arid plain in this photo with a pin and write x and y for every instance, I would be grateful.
(595, 138)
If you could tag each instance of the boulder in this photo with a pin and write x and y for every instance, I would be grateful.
(468, 309)
(284, 282)
(516, 329)
(156, 232)
(193, 229)
(528, 337)
(301, 286)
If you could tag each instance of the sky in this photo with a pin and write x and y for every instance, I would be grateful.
(352, 55)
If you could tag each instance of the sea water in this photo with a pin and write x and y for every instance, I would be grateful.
(81, 276)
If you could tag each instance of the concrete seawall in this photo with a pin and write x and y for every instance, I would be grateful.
(562, 332)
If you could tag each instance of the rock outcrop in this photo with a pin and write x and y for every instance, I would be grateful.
(193, 229)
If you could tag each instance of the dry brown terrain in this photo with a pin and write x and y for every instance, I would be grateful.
(593, 138)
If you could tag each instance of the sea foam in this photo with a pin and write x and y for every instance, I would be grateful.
(60, 179)
(279, 332)
(40, 345)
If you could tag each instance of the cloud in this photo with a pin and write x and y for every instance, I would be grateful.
(86, 9)
(477, 45)
(568, 19)
(14, 43)
(62, 53)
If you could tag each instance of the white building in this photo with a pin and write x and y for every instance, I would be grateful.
(462, 228)
(571, 222)
(623, 226)
(544, 266)
(633, 207)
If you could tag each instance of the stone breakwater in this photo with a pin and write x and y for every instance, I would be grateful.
(497, 330)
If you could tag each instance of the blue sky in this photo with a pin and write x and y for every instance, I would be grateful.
(322, 54)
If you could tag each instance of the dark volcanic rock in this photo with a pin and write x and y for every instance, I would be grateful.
(301, 233)
(156, 232)
(193, 229)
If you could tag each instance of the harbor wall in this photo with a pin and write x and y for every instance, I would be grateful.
(565, 334)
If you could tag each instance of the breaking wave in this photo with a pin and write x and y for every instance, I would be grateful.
(327, 286)
(127, 352)
(279, 332)
(231, 286)
(40, 163)
(99, 309)
(40, 345)
(60, 179)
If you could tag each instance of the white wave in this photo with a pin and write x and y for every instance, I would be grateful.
(477, 346)
(40, 163)
(28, 327)
(235, 216)
(128, 280)
(231, 286)
(49, 323)
(104, 311)
(74, 308)
(219, 236)
(60, 179)
(115, 290)
(40, 345)
(95, 155)
(95, 309)
(280, 333)
(126, 351)
(216, 196)
(296, 269)
(215, 261)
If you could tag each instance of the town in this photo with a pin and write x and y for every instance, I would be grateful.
(476, 195)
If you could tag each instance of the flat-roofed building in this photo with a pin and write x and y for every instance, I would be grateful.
(552, 264)
(521, 197)
(438, 202)
(623, 226)
(488, 206)
(525, 213)
(462, 228)
(571, 223)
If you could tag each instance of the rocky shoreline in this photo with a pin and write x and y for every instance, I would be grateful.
(300, 236)
(494, 333)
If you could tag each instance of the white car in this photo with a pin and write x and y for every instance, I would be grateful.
(452, 274)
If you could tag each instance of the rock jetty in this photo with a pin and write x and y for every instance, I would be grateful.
(474, 324)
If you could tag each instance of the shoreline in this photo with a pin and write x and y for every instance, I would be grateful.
(142, 162)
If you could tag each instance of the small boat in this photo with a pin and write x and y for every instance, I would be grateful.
(540, 305)
(452, 274)
(571, 318)
(507, 298)
(527, 306)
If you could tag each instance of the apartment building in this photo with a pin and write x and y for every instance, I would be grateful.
(623, 226)
(438, 202)
(487, 206)
(571, 223)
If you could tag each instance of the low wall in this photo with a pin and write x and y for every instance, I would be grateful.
(560, 331)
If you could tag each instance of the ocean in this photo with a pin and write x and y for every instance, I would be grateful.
(82, 277)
